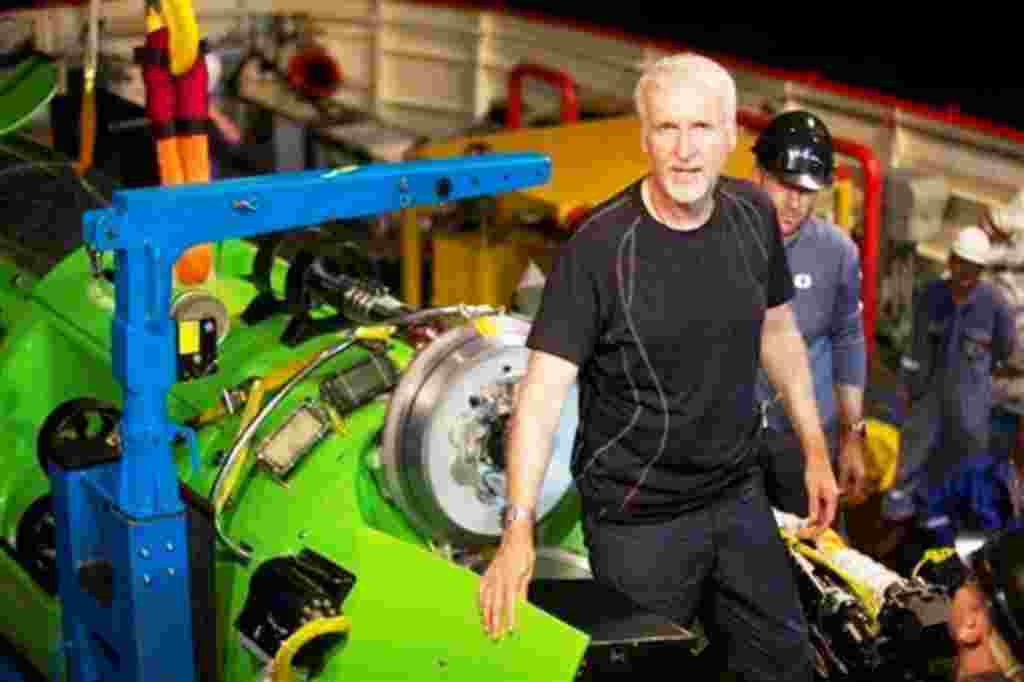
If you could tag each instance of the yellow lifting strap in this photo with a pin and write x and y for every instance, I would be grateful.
(231, 478)
(279, 376)
(864, 594)
(182, 32)
(282, 665)
(936, 555)
(87, 123)
(881, 454)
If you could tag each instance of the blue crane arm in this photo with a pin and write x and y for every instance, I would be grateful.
(150, 228)
(125, 519)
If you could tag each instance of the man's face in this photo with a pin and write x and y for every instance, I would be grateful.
(687, 139)
(792, 204)
(963, 274)
(966, 615)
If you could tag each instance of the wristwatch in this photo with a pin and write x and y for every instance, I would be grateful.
(858, 428)
(512, 513)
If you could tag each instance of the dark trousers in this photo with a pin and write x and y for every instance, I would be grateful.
(727, 565)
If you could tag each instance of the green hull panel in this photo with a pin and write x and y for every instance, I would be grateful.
(24, 90)
(413, 610)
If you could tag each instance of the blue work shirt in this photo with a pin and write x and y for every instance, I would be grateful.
(955, 347)
(826, 274)
(977, 497)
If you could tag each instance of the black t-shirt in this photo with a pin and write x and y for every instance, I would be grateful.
(665, 326)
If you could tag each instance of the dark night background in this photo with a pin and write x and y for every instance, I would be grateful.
(954, 57)
(967, 61)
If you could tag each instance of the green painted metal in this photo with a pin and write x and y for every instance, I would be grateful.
(24, 90)
(413, 610)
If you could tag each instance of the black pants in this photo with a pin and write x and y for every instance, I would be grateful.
(727, 565)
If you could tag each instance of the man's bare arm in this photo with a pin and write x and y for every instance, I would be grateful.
(852, 471)
(538, 407)
(784, 358)
(534, 421)
(851, 403)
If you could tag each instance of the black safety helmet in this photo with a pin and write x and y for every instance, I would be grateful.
(796, 147)
(998, 567)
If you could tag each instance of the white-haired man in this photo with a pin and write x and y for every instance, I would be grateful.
(661, 307)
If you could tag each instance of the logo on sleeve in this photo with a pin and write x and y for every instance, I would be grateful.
(802, 280)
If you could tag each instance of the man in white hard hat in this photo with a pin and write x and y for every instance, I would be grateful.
(1005, 228)
(962, 330)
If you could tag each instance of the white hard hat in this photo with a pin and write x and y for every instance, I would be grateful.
(972, 245)
(213, 71)
(1009, 219)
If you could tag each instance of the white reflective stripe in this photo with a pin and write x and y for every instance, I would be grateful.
(864, 569)
(910, 364)
(937, 522)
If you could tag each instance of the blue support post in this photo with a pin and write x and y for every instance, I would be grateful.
(122, 548)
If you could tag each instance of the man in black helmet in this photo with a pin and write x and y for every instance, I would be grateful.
(794, 163)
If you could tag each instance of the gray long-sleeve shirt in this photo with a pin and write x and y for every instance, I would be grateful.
(826, 273)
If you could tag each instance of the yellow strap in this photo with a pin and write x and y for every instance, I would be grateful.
(252, 408)
(881, 453)
(87, 122)
(322, 626)
(486, 326)
(183, 34)
(376, 333)
(336, 420)
(278, 377)
(936, 555)
(154, 22)
(210, 415)
(864, 594)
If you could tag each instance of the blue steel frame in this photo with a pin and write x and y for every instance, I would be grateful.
(129, 512)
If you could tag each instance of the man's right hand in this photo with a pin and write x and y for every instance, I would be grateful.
(822, 494)
(506, 580)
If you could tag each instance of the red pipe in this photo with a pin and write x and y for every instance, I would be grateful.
(872, 220)
(556, 77)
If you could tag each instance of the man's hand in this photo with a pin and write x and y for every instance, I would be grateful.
(822, 494)
(506, 580)
(1006, 372)
(539, 400)
(852, 471)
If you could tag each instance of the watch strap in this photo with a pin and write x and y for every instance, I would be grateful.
(511, 513)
